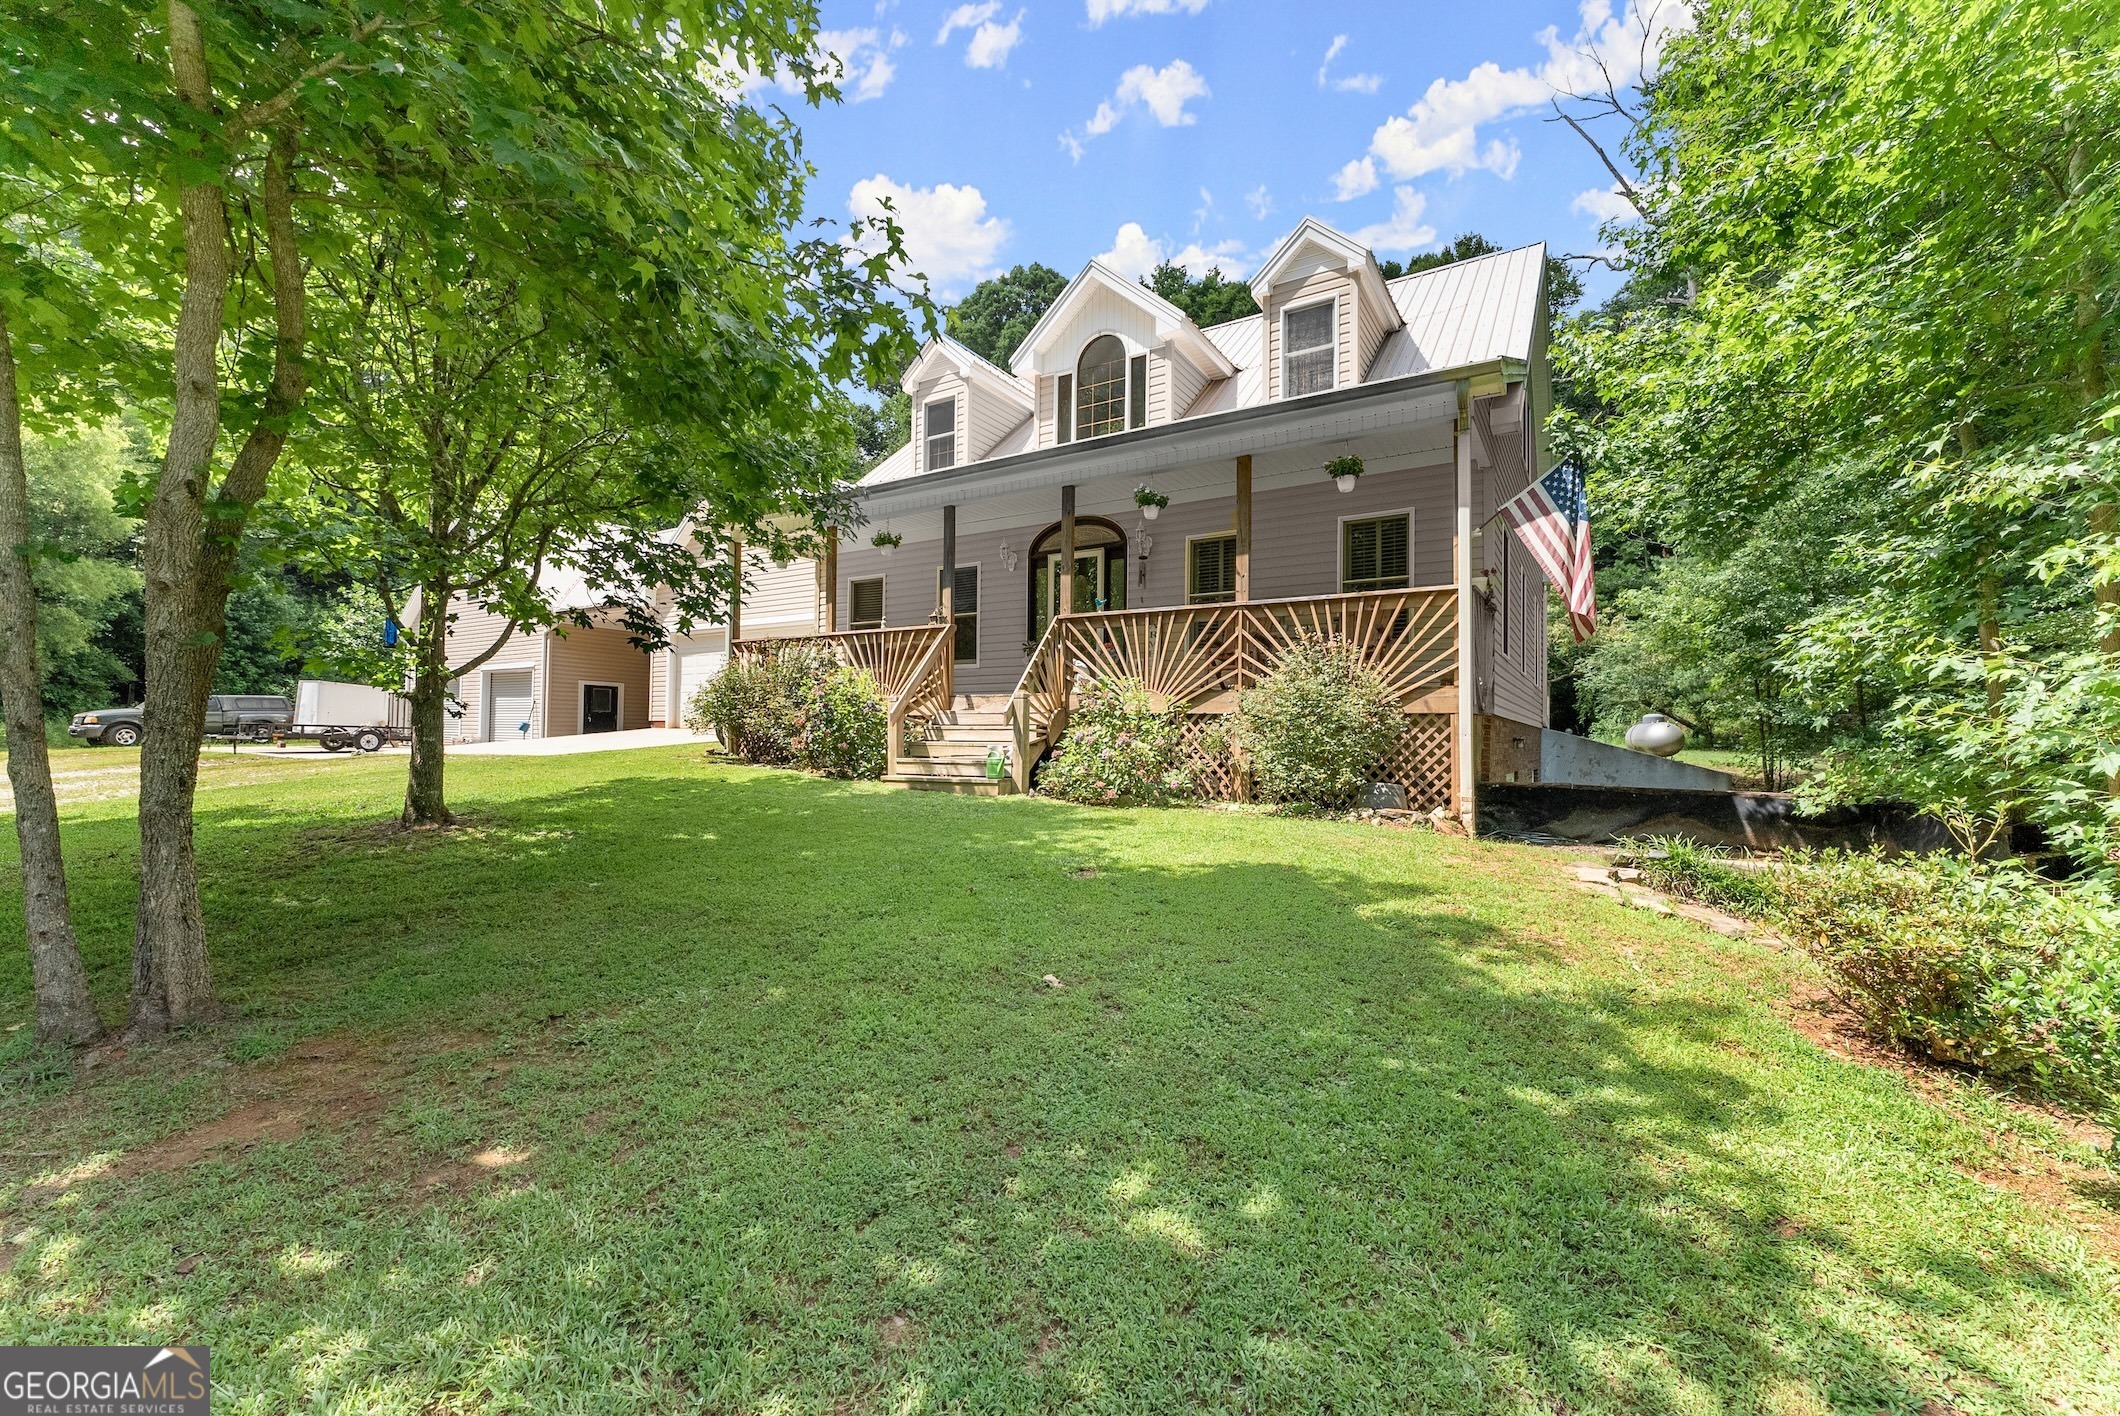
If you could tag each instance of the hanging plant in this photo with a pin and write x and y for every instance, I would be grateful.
(886, 541)
(1150, 501)
(1343, 471)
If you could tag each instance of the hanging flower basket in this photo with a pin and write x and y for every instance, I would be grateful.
(886, 541)
(1343, 471)
(1150, 501)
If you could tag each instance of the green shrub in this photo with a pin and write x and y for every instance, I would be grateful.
(1121, 749)
(797, 707)
(844, 726)
(1968, 963)
(1315, 727)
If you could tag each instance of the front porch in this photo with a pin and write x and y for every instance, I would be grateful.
(1197, 656)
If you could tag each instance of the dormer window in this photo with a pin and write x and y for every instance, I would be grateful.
(1111, 390)
(1308, 355)
(940, 426)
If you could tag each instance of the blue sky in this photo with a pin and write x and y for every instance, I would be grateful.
(1059, 130)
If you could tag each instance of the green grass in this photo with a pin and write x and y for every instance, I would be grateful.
(703, 1087)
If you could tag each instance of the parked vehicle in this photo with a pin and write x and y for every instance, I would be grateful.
(238, 715)
(343, 715)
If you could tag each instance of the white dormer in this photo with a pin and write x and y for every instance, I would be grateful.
(963, 407)
(1112, 355)
(1326, 312)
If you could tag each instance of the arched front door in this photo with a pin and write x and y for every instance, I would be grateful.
(1100, 570)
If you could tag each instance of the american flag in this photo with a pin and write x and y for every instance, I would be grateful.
(1552, 519)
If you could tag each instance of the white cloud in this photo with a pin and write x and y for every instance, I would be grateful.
(1350, 83)
(1605, 204)
(1405, 231)
(1260, 201)
(1135, 253)
(1441, 132)
(1102, 10)
(857, 60)
(1164, 92)
(967, 17)
(949, 237)
(991, 44)
(1357, 179)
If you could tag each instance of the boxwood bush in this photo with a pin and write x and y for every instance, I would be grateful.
(1314, 727)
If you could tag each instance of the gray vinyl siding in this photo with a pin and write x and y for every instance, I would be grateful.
(1512, 680)
(1295, 552)
(580, 656)
(778, 600)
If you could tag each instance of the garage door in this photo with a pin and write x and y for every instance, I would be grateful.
(509, 694)
(696, 664)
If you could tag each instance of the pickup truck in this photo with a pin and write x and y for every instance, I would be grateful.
(255, 715)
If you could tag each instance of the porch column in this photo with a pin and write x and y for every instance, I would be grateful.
(828, 588)
(1067, 553)
(948, 599)
(1461, 578)
(1244, 528)
(735, 595)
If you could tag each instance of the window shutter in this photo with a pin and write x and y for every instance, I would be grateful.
(965, 593)
(1066, 409)
(1214, 570)
(1362, 551)
(1137, 386)
(1393, 550)
(1378, 554)
(865, 604)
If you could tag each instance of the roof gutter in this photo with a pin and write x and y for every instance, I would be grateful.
(1174, 440)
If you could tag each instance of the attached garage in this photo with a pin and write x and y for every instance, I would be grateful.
(699, 658)
(511, 701)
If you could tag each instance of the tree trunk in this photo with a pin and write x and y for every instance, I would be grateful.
(425, 804)
(188, 558)
(65, 1012)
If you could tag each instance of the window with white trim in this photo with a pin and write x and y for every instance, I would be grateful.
(939, 425)
(1100, 388)
(1376, 552)
(865, 603)
(964, 611)
(1210, 570)
(1309, 349)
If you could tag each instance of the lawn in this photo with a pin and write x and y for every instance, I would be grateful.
(669, 1086)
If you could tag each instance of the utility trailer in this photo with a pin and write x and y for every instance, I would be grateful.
(349, 715)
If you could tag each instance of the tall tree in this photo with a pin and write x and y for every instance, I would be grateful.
(217, 146)
(1207, 300)
(999, 313)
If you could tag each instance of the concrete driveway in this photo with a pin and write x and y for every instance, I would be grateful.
(579, 742)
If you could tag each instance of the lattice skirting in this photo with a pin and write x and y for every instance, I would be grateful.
(1420, 761)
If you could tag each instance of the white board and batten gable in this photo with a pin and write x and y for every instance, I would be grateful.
(1177, 360)
(1320, 289)
(964, 409)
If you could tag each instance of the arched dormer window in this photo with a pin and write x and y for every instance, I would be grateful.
(1111, 390)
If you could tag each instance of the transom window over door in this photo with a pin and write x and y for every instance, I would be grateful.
(1308, 355)
(1376, 552)
(941, 432)
(1100, 388)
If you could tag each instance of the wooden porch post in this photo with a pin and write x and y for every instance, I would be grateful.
(948, 601)
(828, 589)
(736, 595)
(1066, 597)
(1244, 528)
(1461, 578)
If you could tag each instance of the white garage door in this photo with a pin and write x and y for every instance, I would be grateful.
(696, 664)
(509, 695)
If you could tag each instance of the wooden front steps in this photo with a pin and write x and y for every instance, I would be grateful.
(951, 755)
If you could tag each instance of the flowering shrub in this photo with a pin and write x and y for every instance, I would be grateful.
(1120, 750)
(1314, 727)
(798, 707)
(1979, 965)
